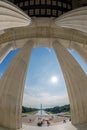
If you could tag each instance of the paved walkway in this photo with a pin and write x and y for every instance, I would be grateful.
(67, 126)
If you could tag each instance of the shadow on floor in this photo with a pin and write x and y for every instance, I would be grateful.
(81, 127)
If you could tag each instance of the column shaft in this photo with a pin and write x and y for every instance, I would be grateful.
(11, 89)
(76, 83)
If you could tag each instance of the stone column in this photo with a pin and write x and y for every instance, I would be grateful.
(81, 51)
(75, 19)
(11, 16)
(76, 82)
(4, 51)
(11, 89)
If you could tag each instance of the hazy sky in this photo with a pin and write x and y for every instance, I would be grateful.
(44, 82)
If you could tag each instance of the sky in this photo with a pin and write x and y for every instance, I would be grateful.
(44, 81)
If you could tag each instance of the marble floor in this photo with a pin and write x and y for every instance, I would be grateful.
(67, 126)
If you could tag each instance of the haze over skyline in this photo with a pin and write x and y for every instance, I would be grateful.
(44, 82)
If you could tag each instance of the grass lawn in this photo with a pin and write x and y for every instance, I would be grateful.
(49, 113)
(68, 114)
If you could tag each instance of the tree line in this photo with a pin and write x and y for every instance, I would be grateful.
(58, 109)
(27, 109)
(54, 110)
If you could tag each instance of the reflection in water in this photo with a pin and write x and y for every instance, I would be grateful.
(41, 113)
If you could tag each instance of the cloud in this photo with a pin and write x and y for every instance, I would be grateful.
(45, 99)
(33, 89)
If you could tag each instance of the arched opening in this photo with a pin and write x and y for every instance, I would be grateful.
(45, 85)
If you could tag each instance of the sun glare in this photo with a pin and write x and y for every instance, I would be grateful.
(54, 79)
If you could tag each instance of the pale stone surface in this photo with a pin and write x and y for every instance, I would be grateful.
(67, 126)
(11, 16)
(76, 82)
(11, 88)
(40, 30)
(75, 19)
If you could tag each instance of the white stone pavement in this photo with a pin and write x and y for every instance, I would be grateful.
(67, 126)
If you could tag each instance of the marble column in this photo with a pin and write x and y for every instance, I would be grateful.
(75, 19)
(76, 82)
(11, 89)
(4, 51)
(11, 16)
(81, 51)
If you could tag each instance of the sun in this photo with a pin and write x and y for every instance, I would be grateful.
(54, 79)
